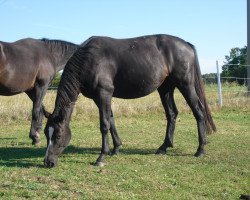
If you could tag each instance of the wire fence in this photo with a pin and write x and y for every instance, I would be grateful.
(234, 82)
(227, 81)
(213, 80)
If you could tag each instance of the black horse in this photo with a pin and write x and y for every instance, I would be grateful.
(29, 65)
(128, 68)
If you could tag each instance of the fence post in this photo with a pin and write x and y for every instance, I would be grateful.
(219, 84)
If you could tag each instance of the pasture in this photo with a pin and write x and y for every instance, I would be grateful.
(136, 173)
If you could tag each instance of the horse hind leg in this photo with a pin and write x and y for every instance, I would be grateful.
(115, 137)
(36, 95)
(189, 93)
(34, 133)
(166, 93)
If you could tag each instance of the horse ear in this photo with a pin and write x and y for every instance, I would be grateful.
(46, 113)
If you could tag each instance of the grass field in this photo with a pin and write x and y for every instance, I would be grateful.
(136, 173)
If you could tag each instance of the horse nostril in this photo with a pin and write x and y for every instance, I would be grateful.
(49, 164)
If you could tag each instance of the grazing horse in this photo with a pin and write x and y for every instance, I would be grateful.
(29, 65)
(128, 68)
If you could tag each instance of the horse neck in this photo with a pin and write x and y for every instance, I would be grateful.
(64, 113)
(61, 51)
(68, 91)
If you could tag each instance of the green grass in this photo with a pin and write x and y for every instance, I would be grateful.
(136, 173)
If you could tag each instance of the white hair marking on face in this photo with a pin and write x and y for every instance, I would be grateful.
(51, 131)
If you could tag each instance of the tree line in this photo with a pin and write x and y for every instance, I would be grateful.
(55, 82)
(235, 65)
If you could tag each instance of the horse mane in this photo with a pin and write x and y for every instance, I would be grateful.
(61, 50)
(70, 84)
(59, 44)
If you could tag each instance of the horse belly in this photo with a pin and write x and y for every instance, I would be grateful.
(139, 74)
(6, 91)
(13, 83)
(132, 92)
(136, 86)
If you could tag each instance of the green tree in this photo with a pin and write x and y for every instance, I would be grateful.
(235, 65)
(210, 78)
(56, 80)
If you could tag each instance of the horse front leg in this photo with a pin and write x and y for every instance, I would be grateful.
(103, 101)
(115, 137)
(167, 99)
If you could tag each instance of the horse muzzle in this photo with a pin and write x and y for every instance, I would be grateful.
(49, 163)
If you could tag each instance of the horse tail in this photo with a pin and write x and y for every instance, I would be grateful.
(199, 87)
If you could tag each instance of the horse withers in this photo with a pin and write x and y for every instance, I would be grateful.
(128, 68)
(29, 65)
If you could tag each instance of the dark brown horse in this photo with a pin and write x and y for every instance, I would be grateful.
(128, 68)
(29, 65)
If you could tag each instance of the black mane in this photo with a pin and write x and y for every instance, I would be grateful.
(61, 45)
(69, 86)
(61, 50)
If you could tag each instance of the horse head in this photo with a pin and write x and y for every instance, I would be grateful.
(58, 136)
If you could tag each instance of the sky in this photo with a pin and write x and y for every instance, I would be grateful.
(213, 26)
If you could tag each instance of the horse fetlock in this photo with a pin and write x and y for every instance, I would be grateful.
(115, 151)
(35, 138)
(161, 152)
(169, 144)
(100, 164)
(200, 152)
(36, 142)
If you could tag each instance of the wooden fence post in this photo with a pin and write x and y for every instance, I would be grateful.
(219, 84)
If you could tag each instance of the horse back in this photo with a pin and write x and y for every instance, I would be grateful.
(21, 63)
(135, 67)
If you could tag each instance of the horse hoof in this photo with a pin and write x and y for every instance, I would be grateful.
(36, 143)
(199, 153)
(160, 152)
(100, 164)
(245, 196)
(114, 152)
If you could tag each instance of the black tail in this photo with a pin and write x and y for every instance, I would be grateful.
(199, 87)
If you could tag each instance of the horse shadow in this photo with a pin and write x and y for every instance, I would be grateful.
(27, 157)
(20, 156)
